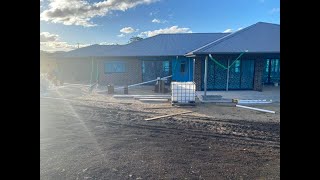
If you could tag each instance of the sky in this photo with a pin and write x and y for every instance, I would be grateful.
(68, 24)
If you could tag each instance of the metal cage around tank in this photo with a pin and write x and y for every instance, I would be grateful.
(183, 93)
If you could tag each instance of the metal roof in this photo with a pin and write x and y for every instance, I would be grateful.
(258, 38)
(159, 45)
(89, 51)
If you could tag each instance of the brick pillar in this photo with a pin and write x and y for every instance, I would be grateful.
(258, 74)
(197, 73)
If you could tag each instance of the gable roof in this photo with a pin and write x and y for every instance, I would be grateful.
(258, 38)
(159, 45)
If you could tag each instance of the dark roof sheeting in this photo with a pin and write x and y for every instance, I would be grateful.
(257, 38)
(89, 51)
(169, 44)
(159, 45)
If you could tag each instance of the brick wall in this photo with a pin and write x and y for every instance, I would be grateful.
(132, 75)
(258, 74)
(75, 70)
(197, 73)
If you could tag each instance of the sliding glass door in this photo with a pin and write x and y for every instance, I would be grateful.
(271, 73)
(241, 74)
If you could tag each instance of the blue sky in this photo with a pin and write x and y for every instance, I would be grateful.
(64, 23)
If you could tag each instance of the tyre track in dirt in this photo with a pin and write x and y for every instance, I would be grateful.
(265, 134)
(182, 146)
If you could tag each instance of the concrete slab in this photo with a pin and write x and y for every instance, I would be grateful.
(268, 93)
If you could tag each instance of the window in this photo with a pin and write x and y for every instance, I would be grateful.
(183, 67)
(271, 71)
(165, 66)
(114, 67)
(267, 66)
(143, 67)
(237, 66)
(277, 65)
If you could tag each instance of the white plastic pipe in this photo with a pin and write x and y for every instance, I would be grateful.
(154, 100)
(145, 82)
(69, 84)
(255, 102)
(243, 100)
(257, 109)
(142, 96)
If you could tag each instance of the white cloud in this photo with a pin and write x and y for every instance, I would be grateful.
(41, 6)
(168, 30)
(159, 21)
(240, 29)
(275, 10)
(127, 30)
(121, 35)
(154, 12)
(48, 37)
(51, 42)
(80, 12)
(59, 46)
(156, 21)
(227, 31)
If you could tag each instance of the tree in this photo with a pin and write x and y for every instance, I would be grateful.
(135, 38)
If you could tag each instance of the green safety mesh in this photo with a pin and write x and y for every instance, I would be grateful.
(217, 76)
(241, 75)
(235, 75)
(247, 74)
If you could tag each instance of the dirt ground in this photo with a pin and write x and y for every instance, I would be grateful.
(95, 136)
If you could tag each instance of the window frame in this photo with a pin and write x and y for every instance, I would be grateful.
(184, 68)
(114, 70)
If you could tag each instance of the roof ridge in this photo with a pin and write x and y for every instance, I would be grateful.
(192, 33)
(134, 42)
(157, 35)
(268, 23)
(222, 39)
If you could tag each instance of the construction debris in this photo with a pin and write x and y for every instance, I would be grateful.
(110, 89)
(250, 101)
(216, 100)
(153, 100)
(170, 107)
(257, 109)
(93, 86)
(158, 117)
(132, 85)
(123, 96)
(142, 96)
(148, 97)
